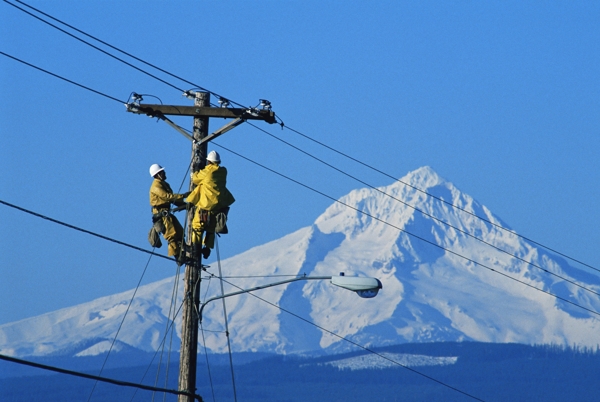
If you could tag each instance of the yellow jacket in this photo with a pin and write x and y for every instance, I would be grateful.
(161, 195)
(211, 193)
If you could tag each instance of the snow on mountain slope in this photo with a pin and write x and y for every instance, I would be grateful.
(440, 283)
(372, 361)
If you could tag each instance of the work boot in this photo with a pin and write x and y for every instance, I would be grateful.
(205, 252)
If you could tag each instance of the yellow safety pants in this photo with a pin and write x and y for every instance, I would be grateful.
(200, 226)
(173, 234)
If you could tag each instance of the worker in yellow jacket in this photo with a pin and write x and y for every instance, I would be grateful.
(210, 197)
(161, 198)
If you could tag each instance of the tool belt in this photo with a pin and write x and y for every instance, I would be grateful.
(160, 214)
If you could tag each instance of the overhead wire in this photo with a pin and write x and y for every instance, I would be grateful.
(93, 46)
(327, 196)
(365, 165)
(282, 124)
(97, 378)
(170, 318)
(196, 86)
(226, 321)
(202, 330)
(171, 307)
(466, 233)
(120, 326)
(373, 217)
(171, 324)
(352, 342)
(62, 78)
(84, 230)
(440, 199)
(405, 231)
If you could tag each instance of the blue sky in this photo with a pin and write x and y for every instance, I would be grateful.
(500, 98)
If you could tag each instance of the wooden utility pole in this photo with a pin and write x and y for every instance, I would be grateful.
(201, 111)
(191, 304)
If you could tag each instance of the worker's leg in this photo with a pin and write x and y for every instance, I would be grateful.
(209, 239)
(173, 234)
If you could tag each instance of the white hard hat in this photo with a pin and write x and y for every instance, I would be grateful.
(213, 156)
(155, 169)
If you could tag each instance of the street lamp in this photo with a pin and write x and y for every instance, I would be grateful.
(365, 287)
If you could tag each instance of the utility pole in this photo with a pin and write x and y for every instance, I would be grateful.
(191, 303)
(201, 111)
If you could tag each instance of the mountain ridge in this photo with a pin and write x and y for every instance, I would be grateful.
(440, 284)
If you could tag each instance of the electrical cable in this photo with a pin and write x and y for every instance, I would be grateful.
(97, 378)
(115, 48)
(303, 185)
(120, 326)
(210, 380)
(95, 47)
(289, 128)
(424, 212)
(423, 239)
(62, 78)
(321, 193)
(327, 196)
(439, 199)
(172, 318)
(167, 327)
(226, 321)
(172, 323)
(202, 330)
(407, 232)
(85, 231)
(352, 342)
(337, 201)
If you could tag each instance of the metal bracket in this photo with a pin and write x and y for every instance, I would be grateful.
(222, 130)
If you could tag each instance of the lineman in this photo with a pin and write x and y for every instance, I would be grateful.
(161, 198)
(210, 197)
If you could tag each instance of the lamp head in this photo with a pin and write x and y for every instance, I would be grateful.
(363, 286)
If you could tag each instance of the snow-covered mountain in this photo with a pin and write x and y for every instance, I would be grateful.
(440, 283)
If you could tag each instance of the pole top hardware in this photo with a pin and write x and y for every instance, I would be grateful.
(195, 111)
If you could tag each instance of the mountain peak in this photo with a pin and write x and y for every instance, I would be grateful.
(444, 273)
(423, 178)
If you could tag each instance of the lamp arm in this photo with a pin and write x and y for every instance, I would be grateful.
(269, 285)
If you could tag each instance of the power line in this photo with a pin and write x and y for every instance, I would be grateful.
(226, 323)
(424, 212)
(407, 232)
(324, 195)
(115, 48)
(289, 128)
(84, 230)
(97, 378)
(349, 341)
(169, 328)
(438, 198)
(95, 47)
(62, 78)
(120, 326)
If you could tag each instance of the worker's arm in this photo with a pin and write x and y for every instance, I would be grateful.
(159, 195)
(198, 177)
